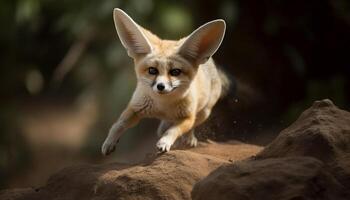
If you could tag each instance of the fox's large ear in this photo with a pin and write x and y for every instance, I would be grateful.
(202, 43)
(130, 34)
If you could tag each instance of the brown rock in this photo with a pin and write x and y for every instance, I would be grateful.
(308, 160)
(322, 132)
(283, 178)
(15, 193)
(168, 176)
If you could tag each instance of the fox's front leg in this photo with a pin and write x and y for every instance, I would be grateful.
(163, 126)
(126, 120)
(175, 131)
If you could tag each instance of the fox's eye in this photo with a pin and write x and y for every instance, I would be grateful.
(175, 72)
(152, 71)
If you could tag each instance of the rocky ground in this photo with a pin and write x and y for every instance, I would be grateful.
(308, 160)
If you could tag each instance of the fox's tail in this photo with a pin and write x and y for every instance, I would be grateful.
(226, 83)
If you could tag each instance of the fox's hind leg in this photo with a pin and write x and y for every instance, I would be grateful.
(177, 129)
(190, 138)
(202, 116)
(163, 126)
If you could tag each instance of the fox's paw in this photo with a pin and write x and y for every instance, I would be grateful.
(108, 146)
(192, 140)
(188, 140)
(165, 143)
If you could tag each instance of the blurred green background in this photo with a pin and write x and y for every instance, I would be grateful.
(65, 76)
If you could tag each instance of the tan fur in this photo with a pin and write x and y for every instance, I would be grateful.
(180, 110)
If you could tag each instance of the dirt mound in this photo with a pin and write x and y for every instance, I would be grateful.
(167, 176)
(308, 160)
(322, 131)
(283, 178)
(21, 193)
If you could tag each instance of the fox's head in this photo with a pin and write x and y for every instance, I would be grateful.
(164, 66)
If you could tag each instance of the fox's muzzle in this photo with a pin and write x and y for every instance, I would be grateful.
(162, 86)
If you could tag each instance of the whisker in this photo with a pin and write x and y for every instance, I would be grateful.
(178, 83)
(147, 81)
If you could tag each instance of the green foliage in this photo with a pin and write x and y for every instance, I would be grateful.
(42, 31)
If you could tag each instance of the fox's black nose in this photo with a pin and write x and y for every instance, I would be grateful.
(160, 86)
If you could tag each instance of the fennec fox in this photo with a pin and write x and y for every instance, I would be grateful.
(177, 81)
